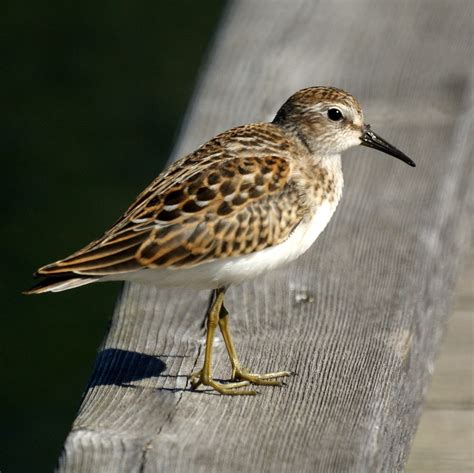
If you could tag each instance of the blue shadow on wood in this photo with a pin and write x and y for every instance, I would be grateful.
(121, 367)
(117, 367)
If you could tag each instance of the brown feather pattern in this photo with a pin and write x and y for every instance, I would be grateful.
(233, 196)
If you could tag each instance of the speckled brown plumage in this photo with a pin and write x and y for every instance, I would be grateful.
(244, 191)
(232, 196)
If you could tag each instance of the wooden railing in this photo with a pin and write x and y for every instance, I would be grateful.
(360, 317)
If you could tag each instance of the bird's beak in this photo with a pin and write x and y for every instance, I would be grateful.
(372, 140)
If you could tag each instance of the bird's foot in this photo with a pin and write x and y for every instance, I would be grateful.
(231, 389)
(267, 379)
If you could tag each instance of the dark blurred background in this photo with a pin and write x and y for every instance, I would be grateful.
(93, 94)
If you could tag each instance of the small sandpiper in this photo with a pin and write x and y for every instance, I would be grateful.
(249, 200)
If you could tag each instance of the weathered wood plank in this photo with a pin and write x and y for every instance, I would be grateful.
(445, 437)
(453, 384)
(361, 316)
(445, 443)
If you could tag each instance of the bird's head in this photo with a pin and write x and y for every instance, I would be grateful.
(330, 121)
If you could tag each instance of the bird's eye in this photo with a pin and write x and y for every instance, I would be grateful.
(334, 114)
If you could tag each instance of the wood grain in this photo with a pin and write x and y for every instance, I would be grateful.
(360, 317)
(444, 439)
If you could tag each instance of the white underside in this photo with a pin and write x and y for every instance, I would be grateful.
(240, 268)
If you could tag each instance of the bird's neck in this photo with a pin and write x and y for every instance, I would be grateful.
(323, 171)
(330, 162)
(330, 166)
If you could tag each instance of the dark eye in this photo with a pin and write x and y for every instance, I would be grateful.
(334, 114)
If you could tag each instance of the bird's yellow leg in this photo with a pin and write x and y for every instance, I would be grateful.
(239, 373)
(204, 376)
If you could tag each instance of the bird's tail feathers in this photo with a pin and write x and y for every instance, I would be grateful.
(58, 284)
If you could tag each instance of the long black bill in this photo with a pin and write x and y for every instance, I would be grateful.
(372, 140)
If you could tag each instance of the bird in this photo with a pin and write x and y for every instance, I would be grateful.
(247, 201)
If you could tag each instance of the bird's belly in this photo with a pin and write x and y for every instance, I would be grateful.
(236, 269)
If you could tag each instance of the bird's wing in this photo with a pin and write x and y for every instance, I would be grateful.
(212, 204)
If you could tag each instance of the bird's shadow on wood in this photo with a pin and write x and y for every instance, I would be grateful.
(118, 367)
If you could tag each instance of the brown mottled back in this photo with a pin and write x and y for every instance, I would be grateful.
(231, 197)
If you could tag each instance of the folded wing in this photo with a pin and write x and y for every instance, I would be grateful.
(205, 207)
